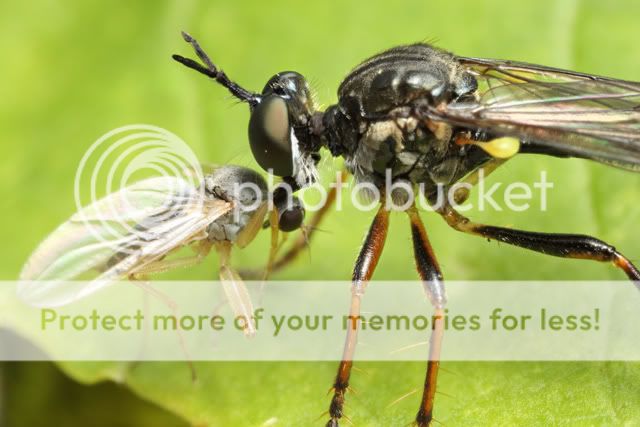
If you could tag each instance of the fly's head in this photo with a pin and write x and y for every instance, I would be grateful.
(281, 129)
(282, 125)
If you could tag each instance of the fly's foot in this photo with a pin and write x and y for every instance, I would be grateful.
(423, 419)
(336, 407)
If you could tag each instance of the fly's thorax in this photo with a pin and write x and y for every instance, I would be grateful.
(338, 131)
(380, 124)
(245, 189)
(408, 148)
(404, 145)
(402, 75)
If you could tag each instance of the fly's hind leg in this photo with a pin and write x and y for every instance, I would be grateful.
(574, 246)
(463, 187)
(363, 270)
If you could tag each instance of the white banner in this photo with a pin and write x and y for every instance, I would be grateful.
(307, 321)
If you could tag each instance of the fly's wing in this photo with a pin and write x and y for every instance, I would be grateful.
(116, 236)
(569, 113)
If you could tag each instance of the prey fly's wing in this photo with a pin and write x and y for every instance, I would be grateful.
(566, 112)
(117, 236)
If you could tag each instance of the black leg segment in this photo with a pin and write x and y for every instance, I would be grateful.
(575, 246)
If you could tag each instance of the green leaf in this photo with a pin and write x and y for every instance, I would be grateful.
(74, 72)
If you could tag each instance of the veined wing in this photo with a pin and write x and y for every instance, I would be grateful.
(117, 236)
(571, 113)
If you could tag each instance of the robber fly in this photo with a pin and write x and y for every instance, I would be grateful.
(429, 117)
(133, 232)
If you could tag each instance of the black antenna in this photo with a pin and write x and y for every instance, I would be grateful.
(215, 73)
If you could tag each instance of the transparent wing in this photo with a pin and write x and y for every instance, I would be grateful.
(115, 237)
(570, 113)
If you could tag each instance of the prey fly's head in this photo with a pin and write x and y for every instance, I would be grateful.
(280, 126)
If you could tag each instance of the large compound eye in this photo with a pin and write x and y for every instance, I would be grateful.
(270, 135)
(287, 83)
(290, 215)
(291, 86)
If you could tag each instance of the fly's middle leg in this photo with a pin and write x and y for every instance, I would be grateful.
(362, 273)
(429, 271)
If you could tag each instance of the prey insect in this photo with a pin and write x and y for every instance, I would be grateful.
(135, 232)
(427, 117)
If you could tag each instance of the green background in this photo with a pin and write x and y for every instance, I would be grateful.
(73, 70)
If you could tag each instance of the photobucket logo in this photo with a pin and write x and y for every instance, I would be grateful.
(133, 179)
(400, 195)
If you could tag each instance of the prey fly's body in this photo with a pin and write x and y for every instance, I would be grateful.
(422, 115)
(136, 231)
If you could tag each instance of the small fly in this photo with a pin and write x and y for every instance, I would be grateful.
(134, 232)
(426, 116)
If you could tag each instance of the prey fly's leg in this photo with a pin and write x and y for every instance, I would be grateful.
(561, 245)
(138, 278)
(363, 270)
(429, 271)
(235, 290)
(143, 284)
(202, 249)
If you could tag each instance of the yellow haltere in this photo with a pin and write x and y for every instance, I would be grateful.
(501, 148)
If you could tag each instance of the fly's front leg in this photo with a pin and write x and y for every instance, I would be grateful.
(575, 246)
(303, 239)
(363, 270)
(429, 271)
